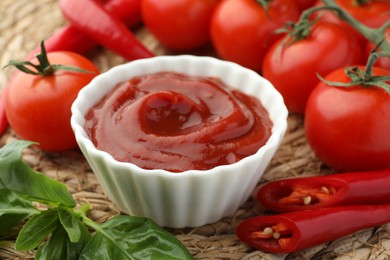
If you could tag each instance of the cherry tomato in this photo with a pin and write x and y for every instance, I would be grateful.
(242, 31)
(383, 62)
(348, 127)
(179, 24)
(292, 68)
(372, 13)
(38, 107)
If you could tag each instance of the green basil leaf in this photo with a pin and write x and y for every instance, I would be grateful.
(60, 247)
(100, 247)
(128, 237)
(70, 224)
(13, 209)
(37, 228)
(17, 176)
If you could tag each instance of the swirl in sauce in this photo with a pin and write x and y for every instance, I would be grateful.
(178, 122)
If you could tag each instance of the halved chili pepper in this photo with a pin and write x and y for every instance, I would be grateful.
(293, 231)
(68, 38)
(330, 190)
(91, 18)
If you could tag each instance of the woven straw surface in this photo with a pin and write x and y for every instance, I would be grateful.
(24, 23)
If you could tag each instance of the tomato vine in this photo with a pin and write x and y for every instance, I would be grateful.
(374, 35)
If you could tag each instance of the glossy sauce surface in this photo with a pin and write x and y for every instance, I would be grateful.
(178, 122)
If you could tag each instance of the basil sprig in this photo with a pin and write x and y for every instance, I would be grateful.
(63, 231)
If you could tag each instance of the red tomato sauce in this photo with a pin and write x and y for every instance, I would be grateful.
(178, 122)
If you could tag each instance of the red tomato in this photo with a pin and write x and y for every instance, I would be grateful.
(38, 107)
(372, 13)
(292, 69)
(179, 24)
(242, 31)
(383, 62)
(348, 127)
(305, 4)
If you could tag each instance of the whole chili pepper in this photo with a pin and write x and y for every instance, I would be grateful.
(68, 38)
(329, 190)
(128, 11)
(3, 116)
(293, 231)
(91, 18)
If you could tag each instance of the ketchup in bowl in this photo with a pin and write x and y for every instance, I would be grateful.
(178, 122)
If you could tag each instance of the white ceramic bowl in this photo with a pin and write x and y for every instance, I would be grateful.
(191, 198)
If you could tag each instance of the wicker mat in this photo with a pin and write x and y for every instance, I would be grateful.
(24, 23)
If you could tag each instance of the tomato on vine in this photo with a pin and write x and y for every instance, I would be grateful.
(372, 13)
(305, 4)
(179, 24)
(39, 97)
(293, 62)
(347, 119)
(243, 30)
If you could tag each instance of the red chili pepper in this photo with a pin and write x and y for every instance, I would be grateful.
(323, 191)
(128, 11)
(92, 19)
(69, 38)
(3, 115)
(293, 231)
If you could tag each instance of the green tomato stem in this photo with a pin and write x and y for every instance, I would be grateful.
(263, 3)
(371, 62)
(364, 77)
(374, 35)
(361, 2)
(43, 68)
